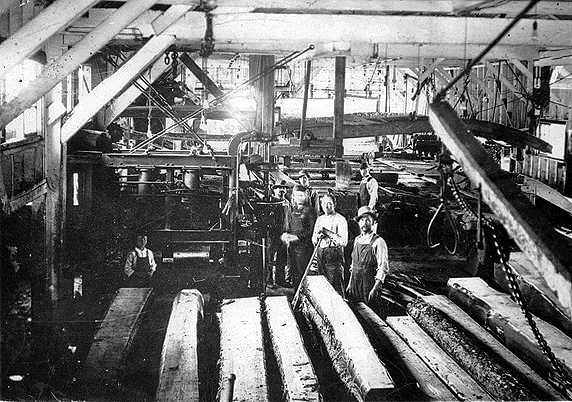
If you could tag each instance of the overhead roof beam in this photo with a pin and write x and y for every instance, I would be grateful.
(526, 225)
(121, 102)
(30, 38)
(112, 85)
(60, 68)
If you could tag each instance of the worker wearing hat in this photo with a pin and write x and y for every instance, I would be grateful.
(370, 263)
(276, 248)
(367, 188)
(311, 194)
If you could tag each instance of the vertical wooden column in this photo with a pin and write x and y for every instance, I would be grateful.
(264, 87)
(568, 153)
(340, 91)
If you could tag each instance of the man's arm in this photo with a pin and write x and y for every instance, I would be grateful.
(343, 230)
(372, 187)
(152, 263)
(316, 234)
(129, 261)
(381, 256)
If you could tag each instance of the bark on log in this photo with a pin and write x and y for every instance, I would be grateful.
(491, 375)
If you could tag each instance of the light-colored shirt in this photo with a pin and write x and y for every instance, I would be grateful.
(335, 223)
(379, 251)
(371, 187)
(139, 253)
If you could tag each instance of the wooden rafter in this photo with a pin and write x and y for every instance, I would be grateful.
(60, 68)
(35, 33)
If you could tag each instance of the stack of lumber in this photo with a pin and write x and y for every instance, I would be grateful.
(497, 311)
(179, 378)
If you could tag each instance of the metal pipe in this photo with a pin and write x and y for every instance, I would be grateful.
(305, 104)
(227, 388)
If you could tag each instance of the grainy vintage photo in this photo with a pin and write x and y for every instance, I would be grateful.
(285, 201)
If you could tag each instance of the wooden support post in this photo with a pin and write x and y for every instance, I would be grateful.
(339, 97)
(264, 88)
(179, 366)
(59, 69)
(351, 352)
(102, 371)
(105, 91)
(455, 378)
(523, 222)
(244, 121)
(429, 383)
(242, 348)
(30, 38)
(299, 380)
(542, 389)
(306, 94)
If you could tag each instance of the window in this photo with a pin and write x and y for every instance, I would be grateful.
(16, 80)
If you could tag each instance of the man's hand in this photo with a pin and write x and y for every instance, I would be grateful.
(374, 291)
(288, 238)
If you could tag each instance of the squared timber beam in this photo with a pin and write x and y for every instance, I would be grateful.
(105, 91)
(122, 102)
(523, 221)
(60, 68)
(30, 38)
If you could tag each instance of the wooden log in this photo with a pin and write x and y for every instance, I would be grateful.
(534, 288)
(430, 384)
(459, 382)
(298, 377)
(520, 370)
(468, 353)
(349, 348)
(103, 367)
(179, 367)
(496, 310)
(242, 348)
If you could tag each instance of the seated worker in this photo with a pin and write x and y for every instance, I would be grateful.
(370, 263)
(275, 274)
(140, 264)
(311, 194)
(298, 236)
(331, 236)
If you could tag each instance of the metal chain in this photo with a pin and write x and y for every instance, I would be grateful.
(565, 379)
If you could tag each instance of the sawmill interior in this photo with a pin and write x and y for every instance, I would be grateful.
(167, 166)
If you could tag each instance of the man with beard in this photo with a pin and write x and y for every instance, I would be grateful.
(370, 263)
(298, 236)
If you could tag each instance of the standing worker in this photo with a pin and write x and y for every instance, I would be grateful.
(298, 236)
(311, 194)
(367, 188)
(276, 248)
(140, 264)
(332, 229)
(370, 263)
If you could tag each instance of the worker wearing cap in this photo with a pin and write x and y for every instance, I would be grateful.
(298, 236)
(367, 188)
(370, 263)
(311, 194)
(276, 248)
(331, 236)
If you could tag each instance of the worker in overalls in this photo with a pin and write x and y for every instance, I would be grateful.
(275, 274)
(140, 264)
(370, 264)
(331, 236)
(312, 196)
(298, 236)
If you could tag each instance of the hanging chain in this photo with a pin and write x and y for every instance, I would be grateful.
(500, 239)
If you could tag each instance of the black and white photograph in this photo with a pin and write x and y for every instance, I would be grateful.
(285, 201)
